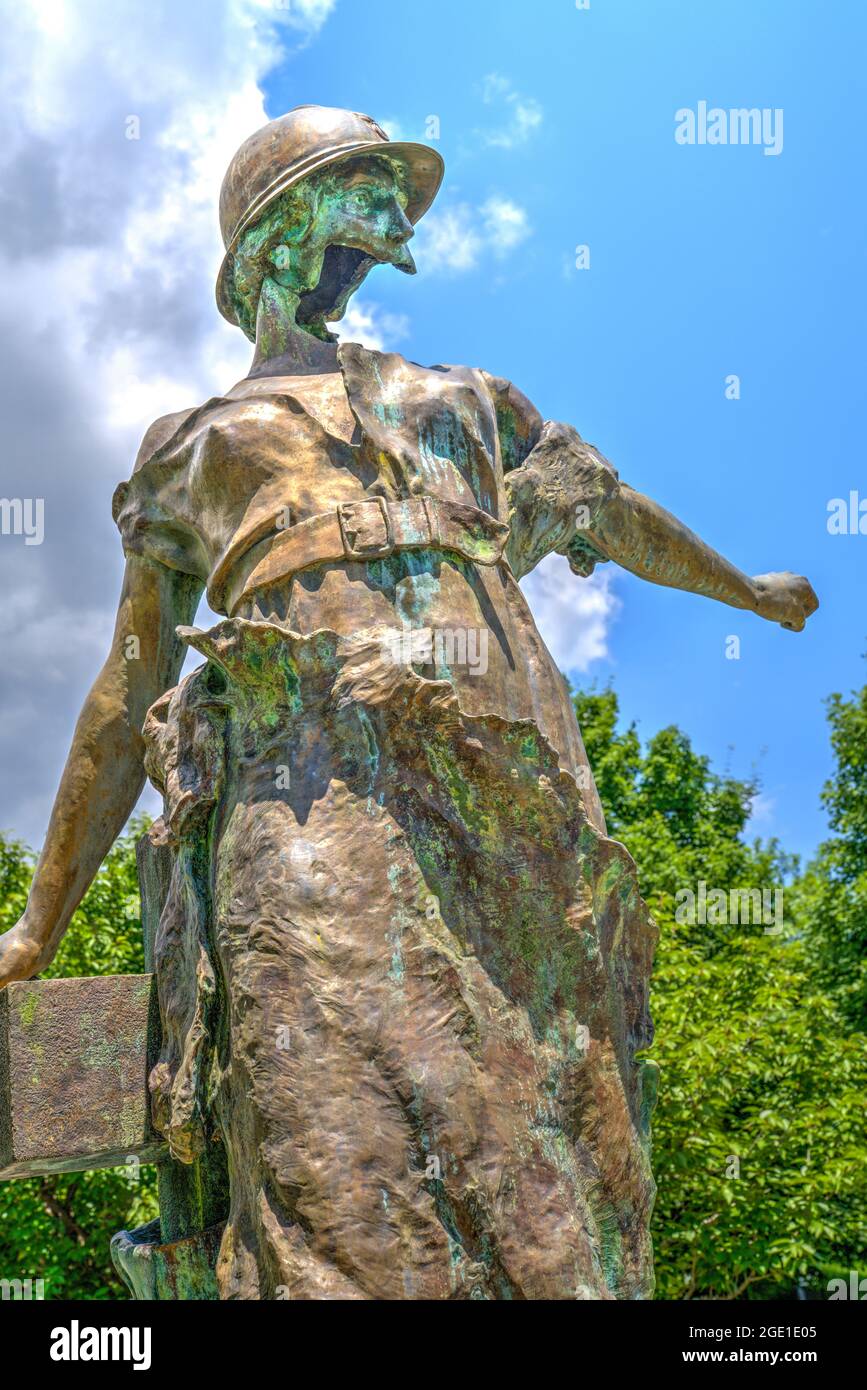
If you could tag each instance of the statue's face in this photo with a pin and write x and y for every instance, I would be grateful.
(356, 220)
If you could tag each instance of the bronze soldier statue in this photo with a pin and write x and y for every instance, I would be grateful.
(402, 970)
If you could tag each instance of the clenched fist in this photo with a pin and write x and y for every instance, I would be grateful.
(787, 599)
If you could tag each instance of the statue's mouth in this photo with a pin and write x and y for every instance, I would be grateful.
(343, 270)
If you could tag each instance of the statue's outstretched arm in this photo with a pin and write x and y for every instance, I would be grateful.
(643, 537)
(567, 497)
(104, 771)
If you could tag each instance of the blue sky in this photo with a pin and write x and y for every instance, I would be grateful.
(557, 126)
(705, 261)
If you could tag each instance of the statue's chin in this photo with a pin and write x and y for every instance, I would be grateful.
(343, 270)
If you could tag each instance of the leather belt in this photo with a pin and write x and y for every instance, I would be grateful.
(374, 528)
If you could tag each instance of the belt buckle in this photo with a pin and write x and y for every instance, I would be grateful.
(354, 528)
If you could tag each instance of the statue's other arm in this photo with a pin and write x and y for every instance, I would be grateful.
(566, 497)
(104, 771)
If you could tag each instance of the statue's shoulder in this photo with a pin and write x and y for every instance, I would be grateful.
(156, 437)
(519, 423)
(169, 436)
(158, 434)
(506, 396)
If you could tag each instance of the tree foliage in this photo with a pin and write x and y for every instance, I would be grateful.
(760, 1154)
(833, 894)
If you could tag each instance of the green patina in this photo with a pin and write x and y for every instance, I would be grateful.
(29, 1009)
(98, 1051)
(648, 1090)
(464, 797)
(185, 1269)
(143, 992)
(610, 1242)
(291, 678)
(394, 936)
(389, 412)
(386, 572)
(371, 745)
(414, 596)
(281, 257)
(130, 1120)
(530, 747)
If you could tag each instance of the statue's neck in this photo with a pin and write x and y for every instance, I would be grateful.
(282, 348)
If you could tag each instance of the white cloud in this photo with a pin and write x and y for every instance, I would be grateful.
(306, 15)
(109, 248)
(395, 128)
(573, 615)
(456, 239)
(366, 323)
(763, 809)
(522, 115)
(449, 240)
(505, 225)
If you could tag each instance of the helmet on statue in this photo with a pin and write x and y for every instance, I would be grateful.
(288, 149)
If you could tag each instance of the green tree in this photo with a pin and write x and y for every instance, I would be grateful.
(58, 1228)
(759, 1149)
(833, 894)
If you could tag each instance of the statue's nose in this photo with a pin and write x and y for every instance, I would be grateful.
(403, 228)
(400, 231)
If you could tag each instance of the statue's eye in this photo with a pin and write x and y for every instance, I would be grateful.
(374, 197)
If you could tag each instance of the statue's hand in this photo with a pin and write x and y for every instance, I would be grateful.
(787, 599)
(21, 956)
